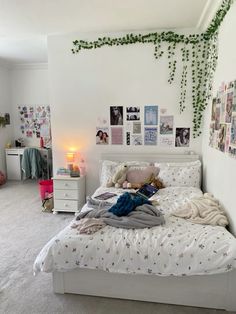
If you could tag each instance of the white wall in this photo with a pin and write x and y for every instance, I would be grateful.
(6, 132)
(29, 86)
(83, 87)
(220, 169)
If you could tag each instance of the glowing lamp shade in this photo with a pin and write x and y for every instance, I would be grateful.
(70, 157)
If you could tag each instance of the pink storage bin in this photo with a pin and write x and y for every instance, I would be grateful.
(45, 188)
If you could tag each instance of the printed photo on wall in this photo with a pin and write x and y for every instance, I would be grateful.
(132, 113)
(234, 99)
(41, 112)
(166, 141)
(182, 137)
(129, 126)
(233, 129)
(151, 115)
(217, 117)
(222, 137)
(117, 136)
(150, 136)
(29, 133)
(102, 136)
(211, 134)
(116, 115)
(137, 127)
(222, 103)
(213, 109)
(127, 138)
(227, 140)
(232, 151)
(102, 121)
(136, 139)
(163, 110)
(229, 106)
(7, 118)
(166, 124)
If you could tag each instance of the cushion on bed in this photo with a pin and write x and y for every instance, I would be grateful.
(141, 174)
(108, 168)
(180, 174)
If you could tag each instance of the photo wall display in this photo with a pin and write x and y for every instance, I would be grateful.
(140, 125)
(35, 120)
(223, 119)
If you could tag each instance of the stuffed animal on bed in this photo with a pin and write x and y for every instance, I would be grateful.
(119, 177)
(156, 182)
(144, 175)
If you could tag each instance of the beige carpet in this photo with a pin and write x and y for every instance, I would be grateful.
(24, 229)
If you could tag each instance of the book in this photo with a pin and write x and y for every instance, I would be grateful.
(147, 191)
(105, 196)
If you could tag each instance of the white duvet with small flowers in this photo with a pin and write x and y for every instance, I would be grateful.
(178, 247)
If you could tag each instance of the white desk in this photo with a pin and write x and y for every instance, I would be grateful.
(14, 157)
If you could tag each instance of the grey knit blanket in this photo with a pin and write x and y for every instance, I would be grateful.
(144, 216)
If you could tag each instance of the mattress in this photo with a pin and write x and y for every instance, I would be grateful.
(178, 248)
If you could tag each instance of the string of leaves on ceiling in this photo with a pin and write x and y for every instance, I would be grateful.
(199, 56)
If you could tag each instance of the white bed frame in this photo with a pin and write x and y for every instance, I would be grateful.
(210, 291)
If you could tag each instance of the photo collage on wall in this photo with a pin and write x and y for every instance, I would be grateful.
(223, 119)
(35, 120)
(146, 125)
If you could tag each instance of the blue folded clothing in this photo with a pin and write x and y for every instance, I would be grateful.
(126, 203)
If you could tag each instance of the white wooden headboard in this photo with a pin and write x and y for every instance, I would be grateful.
(150, 157)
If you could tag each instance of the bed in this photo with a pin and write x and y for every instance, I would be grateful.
(177, 263)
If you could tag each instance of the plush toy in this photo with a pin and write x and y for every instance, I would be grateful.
(119, 176)
(156, 182)
(125, 184)
(153, 180)
(134, 185)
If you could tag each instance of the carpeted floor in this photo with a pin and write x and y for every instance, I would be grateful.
(24, 229)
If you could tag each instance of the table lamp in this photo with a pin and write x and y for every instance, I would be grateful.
(70, 159)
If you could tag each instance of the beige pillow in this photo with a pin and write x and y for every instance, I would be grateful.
(141, 174)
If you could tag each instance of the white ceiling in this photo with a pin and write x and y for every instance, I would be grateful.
(25, 24)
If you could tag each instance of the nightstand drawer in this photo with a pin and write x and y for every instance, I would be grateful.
(66, 205)
(66, 194)
(65, 184)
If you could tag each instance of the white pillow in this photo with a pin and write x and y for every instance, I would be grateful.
(108, 168)
(180, 174)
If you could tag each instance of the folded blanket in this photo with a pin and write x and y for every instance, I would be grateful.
(143, 216)
(203, 210)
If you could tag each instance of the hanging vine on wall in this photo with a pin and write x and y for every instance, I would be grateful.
(199, 54)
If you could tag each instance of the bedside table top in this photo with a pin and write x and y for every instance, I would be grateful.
(64, 177)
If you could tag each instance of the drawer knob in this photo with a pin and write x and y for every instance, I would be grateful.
(65, 184)
(65, 194)
(66, 205)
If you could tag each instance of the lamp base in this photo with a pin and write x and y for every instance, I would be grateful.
(75, 174)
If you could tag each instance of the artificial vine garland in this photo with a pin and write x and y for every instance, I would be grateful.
(199, 53)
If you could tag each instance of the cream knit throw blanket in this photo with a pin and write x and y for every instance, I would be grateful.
(203, 210)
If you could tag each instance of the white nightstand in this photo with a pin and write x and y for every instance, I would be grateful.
(69, 194)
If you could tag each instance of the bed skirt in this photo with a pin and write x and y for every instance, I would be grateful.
(209, 291)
